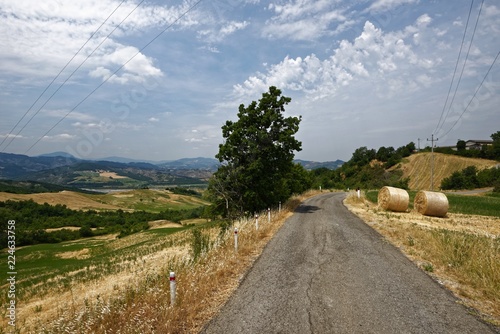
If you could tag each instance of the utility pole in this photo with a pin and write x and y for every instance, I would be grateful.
(418, 171)
(432, 160)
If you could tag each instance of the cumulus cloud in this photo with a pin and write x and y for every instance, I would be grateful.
(40, 37)
(372, 54)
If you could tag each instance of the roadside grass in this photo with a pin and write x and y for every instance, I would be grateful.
(465, 261)
(44, 268)
(205, 279)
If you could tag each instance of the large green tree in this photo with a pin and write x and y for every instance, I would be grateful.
(257, 156)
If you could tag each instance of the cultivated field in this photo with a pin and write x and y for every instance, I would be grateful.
(72, 200)
(141, 199)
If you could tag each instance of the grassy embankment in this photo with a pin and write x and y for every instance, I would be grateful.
(461, 251)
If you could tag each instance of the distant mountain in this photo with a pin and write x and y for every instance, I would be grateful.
(108, 174)
(184, 163)
(309, 165)
(13, 166)
(66, 171)
(58, 154)
(128, 160)
(192, 163)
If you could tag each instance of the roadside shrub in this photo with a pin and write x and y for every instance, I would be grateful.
(200, 244)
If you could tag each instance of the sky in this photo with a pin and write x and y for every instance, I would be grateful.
(156, 80)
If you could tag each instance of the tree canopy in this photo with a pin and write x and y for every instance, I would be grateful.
(257, 156)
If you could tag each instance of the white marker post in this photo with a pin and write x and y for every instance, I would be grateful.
(279, 208)
(172, 288)
(235, 239)
(268, 215)
(256, 221)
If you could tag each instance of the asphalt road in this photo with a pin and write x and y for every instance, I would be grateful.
(326, 271)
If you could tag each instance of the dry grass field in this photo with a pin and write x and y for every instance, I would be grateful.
(418, 168)
(461, 252)
(140, 199)
(72, 200)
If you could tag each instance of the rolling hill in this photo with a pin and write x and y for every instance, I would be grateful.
(130, 200)
(69, 171)
(418, 168)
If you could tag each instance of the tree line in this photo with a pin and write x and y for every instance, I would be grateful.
(367, 168)
(472, 178)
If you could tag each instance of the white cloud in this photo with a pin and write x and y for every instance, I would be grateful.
(63, 137)
(40, 37)
(217, 35)
(137, 66)
(10, 135)
(381, 5)
(372, 54)
(233, 26)
(74, 115)
(154, 119)
(193, 140)
(304, 20)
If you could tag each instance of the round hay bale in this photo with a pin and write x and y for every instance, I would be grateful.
(431, 203)
(393, 199)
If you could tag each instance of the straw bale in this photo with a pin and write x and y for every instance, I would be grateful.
(431, 203)
(393, 199)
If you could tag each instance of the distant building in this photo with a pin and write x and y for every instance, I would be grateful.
(472, 144)
(477, 144)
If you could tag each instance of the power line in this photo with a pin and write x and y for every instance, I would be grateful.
(116, 71)
(463, 67)
(78, 67)
(55, 78)
(456, 66)
(475, 93)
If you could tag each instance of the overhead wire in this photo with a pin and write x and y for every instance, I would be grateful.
(475, 93)
(55, 78)
(463, 67)
(456, 66)
(116, 71)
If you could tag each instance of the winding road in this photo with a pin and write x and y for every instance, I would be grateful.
(326, 271)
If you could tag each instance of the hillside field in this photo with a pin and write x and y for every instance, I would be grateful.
(141, 199)
(418, 168)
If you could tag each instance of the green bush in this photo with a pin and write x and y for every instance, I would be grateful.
(200, 243)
